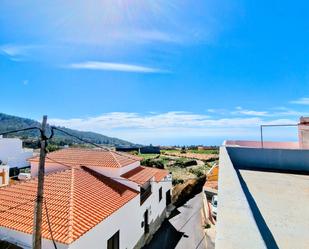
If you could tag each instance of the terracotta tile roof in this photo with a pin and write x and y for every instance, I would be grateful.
(89, 157)
(77, 200)
(211, 184)
(141, 174)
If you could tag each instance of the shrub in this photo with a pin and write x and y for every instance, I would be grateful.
(183, 163)
(197, 172)
(190, 163)
(183, 150)
(155, 163)
(177, 181)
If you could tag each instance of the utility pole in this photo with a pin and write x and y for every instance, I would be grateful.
(37, 222)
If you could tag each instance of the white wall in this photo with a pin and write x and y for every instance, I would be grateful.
(49, 167)
(152, 203)
(126, 219)
(12, 153)
(115, 174)
(24, 240)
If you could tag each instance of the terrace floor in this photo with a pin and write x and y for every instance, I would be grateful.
(280, 205)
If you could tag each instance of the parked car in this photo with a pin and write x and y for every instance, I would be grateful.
(214, 202)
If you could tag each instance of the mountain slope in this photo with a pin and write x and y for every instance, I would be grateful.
(8, 123)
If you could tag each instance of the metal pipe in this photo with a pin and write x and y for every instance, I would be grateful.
(272, 125)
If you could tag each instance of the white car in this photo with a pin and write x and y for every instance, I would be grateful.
(214, 202)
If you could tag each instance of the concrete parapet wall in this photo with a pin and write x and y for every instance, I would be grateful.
(273, 159)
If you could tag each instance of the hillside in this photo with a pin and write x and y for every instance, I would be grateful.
(30, 138)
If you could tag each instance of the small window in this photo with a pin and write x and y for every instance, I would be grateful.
(113, 242)
(160, 194)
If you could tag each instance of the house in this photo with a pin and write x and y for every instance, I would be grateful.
(150, 149)
(94, 198)
(264, 194)
(13, 154)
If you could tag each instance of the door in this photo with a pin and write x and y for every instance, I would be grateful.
(146, 225)
(168, 197)
(113, 242)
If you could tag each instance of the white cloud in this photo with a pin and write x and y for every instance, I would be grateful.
(240, 110)
(301, 101)
(110, 66)
(20, 52)
(13, 50)
(170, 125)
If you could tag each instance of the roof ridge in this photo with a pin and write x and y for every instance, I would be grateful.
(113, 155)
(127, 155)
(71, 208)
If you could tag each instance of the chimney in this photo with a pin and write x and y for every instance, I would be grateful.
(303, 132)
(2, 174)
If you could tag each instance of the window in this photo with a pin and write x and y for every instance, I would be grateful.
(113, 242)
(160, 194)
(145, 192)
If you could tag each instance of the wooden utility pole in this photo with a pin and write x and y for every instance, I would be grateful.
(37, 222)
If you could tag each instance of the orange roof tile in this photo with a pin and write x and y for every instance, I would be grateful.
(141, 174)
(89, 157)
(77, 200)
(211, 184)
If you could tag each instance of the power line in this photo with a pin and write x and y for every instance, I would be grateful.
(49, 225)
(21, 204)
(25, 129)
(81, 139)
(85, 141)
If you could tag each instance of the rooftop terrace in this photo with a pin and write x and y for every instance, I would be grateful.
(263, 198)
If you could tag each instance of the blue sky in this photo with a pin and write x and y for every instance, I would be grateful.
(161, 72)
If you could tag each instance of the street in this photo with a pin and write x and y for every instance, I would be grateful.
(184, 230)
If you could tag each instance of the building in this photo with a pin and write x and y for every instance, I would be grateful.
(263, 194)
(94, 198)
(141, 149)
(13, 154)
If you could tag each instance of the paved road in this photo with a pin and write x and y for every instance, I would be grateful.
(184, 230)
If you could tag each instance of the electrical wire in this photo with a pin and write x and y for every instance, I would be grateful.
(85, 141)
(21, 204)
(14, 131)
(81, 139)
(49, 225)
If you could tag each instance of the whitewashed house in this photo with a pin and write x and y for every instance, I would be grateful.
(95, 199)
(13, 154)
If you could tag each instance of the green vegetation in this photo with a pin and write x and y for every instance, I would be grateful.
(183, 162)
(198, 172)
(204, 152)
(30, 138)
(207, 226)
(207, 152)
(149, 156)
(155, 163)
(181, 168)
